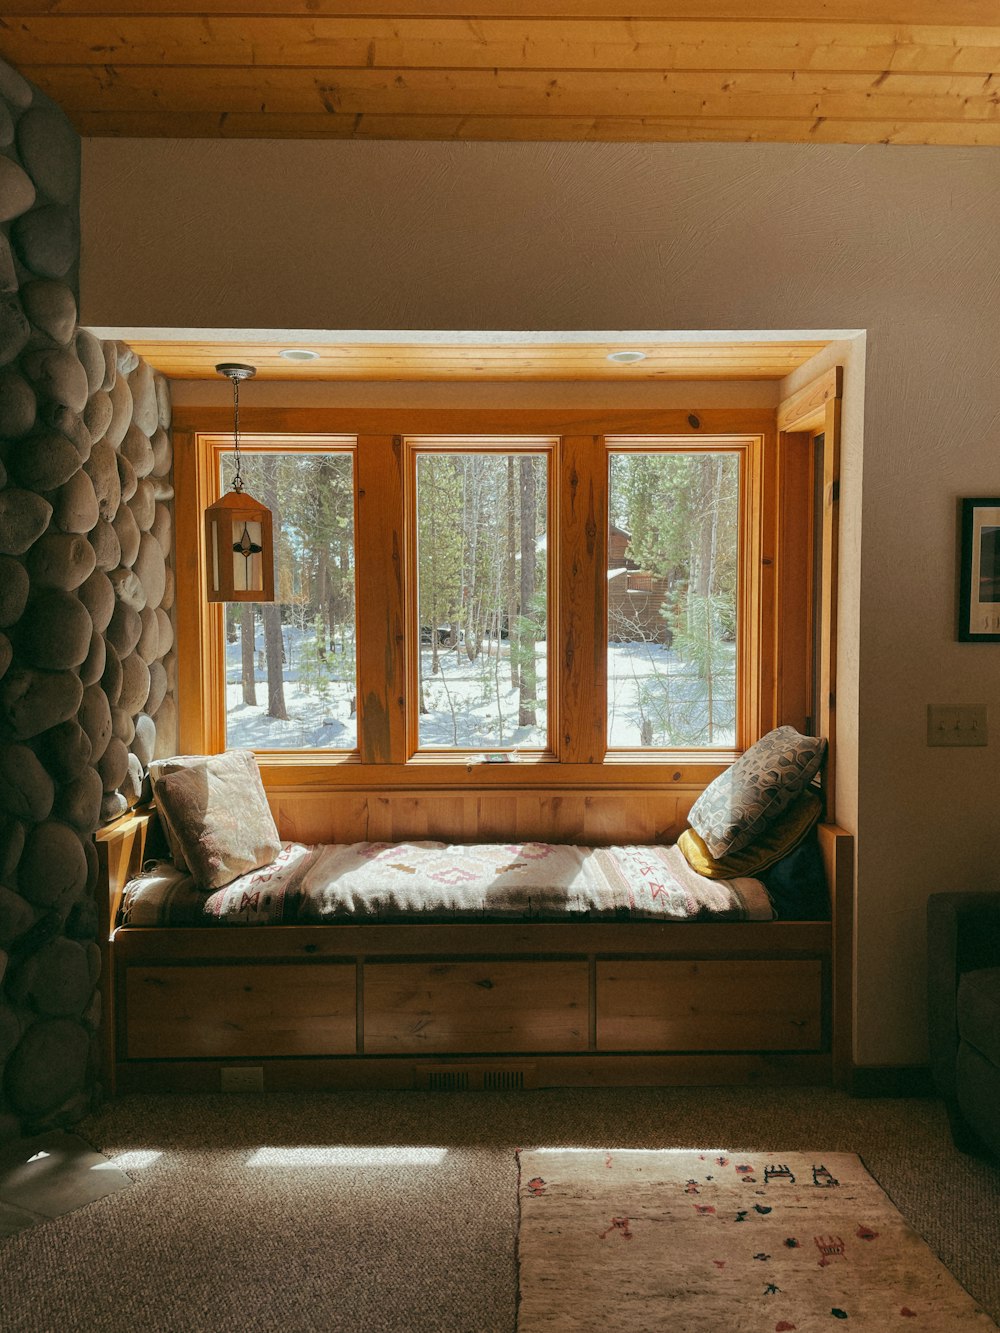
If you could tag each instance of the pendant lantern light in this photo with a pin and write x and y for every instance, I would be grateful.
(239, 551)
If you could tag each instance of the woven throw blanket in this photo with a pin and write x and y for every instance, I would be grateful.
(435, 881)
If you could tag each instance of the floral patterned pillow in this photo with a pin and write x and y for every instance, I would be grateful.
(219, 814)
(739, 805)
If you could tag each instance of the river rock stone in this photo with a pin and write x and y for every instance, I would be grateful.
(18, 407)
(57, 373)
(53, 864)
(14, 87)
(165, 633)
(113, 805)
(98, 596)
(136, 447)
(34, 701)
(164, 407)
(26, 789)
(128, 358)
(47, 240)
(167, 600)
(14, 586)
(97, 414)
(113, 764)
(11, 847)
(127, 477)
(157, 687)
(110, 366)
(48, 1067)
(24, 516)
(131, 787)
(6, 655)
(104, 540)
(66, 749)
(162, 488)
(135, 683)
(149, 639)
(17, 917)
(102, 469)
(14, 327)
(163, 453)
(163, 528)
(10, 1026)
(128, 534)
(68, 423)
(61, 560)
(150, 566)
(6, 125)
(51, 307)
(56, 629)
(75, 507)
(142, 383)
(144, 742)
(55, 981)
(43, 461)
(91, 354)
(79, 801)
(82, 922)
(50, 150)
(94, 717)
(17, 190)
(92, 667)
(128, 588)
(8, 272)
(111, 681)
(122, 725)
(143, 505)
(124, 629)
(121, 415)
(166, 729)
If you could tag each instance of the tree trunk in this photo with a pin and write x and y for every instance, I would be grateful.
(526, 699)
(273, 646)
(247, 653)
(511, 574)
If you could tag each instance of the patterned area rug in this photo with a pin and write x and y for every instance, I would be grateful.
(723, 1242)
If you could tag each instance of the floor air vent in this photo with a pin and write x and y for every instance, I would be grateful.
(464, 1078)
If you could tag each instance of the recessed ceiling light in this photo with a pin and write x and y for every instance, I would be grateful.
(626, 358)
(299, 354)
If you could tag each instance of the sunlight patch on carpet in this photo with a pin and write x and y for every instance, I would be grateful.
(347, 1156)
(694, 1240)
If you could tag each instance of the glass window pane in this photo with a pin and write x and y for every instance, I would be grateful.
(482, 603)
(673, 563)
(290, 672)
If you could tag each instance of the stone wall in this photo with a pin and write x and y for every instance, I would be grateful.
(87, 668)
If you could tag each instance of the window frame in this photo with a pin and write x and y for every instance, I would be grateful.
(578, 755)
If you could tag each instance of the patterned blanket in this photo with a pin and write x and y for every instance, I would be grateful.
(367, 882)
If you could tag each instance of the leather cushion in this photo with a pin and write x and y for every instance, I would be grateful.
(979, 1011)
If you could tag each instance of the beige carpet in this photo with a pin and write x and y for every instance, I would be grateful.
(218, 1236)
(635, 1241)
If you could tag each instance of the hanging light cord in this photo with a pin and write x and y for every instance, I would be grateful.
(237, 475)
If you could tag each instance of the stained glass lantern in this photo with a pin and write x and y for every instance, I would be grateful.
(239, 550)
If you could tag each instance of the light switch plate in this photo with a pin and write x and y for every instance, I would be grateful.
(956, 726)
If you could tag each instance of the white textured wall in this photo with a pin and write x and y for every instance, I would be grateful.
(901, 242)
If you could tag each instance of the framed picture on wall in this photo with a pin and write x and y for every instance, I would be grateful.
(979, 577)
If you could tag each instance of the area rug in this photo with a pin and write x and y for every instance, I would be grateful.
(722, 1242)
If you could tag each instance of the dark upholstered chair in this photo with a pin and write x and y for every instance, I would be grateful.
(963, 945)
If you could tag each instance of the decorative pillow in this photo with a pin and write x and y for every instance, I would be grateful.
(775, 842)
(740, 803)
(216, 808)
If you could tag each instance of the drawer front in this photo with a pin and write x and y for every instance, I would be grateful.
(471, 1007)
(752, 1005)
(260, 1010)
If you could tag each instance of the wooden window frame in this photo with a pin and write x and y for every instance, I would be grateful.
(386, 757)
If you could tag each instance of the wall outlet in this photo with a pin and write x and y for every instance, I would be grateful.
(248, 1078)
(956, 726)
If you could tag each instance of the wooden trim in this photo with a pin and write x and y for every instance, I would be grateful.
(837, 850)
(120, 848)
(582, 600)
(793, 581)
(380, 611)
(830, 578)
(805, 409)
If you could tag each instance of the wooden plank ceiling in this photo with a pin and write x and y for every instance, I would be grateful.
(484, 361)
(816, 71)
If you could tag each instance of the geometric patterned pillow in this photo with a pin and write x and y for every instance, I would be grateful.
(740, 803)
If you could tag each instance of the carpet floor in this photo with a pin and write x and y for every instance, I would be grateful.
(386, 1212)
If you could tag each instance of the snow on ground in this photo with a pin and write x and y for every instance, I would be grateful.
(645, 680)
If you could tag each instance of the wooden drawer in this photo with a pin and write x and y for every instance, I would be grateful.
(746, 1005)
(271, 1009)
(472, 1007)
